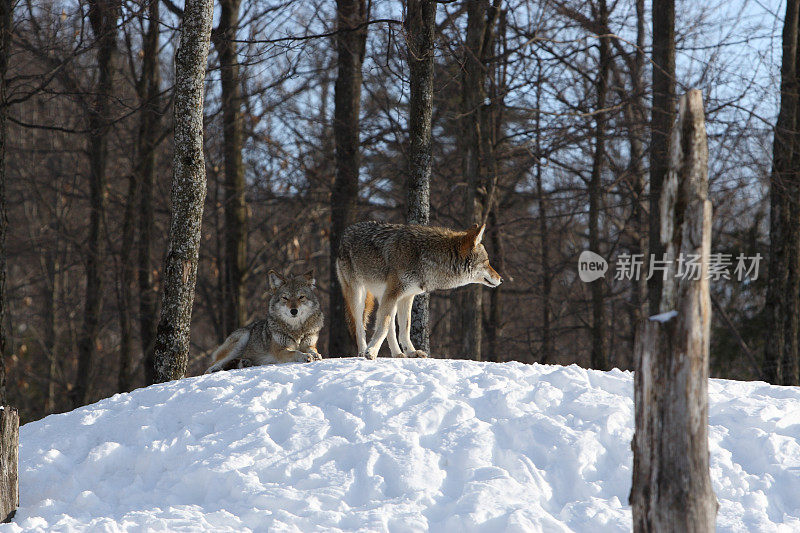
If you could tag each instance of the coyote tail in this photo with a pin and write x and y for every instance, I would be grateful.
(232, 346)
(369, 305)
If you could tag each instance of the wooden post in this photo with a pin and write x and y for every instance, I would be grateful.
(9, 462)
(671, 482)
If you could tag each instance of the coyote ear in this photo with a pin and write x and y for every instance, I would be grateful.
(310, 278)
(479, 236)
(275, 279)
(472, 239)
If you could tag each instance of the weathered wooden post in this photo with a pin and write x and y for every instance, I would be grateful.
(671, 482)
(9, 462)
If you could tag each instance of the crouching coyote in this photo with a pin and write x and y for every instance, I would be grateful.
(288, 334)
(395, 262)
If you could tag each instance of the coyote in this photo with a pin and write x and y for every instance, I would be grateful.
(395, 262)
(289, 333)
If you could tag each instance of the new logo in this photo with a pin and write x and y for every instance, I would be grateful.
(591, 266)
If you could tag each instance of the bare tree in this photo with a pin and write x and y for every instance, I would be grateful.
(421, 27)
(124, 288)
(6, 10)
(188, 193)
(661, 122)
(350, 46)
(481, 17)
(781, 335)
(599, 358)
(546, 351)
(103, 16)
(671, 488)
(149, 92)
(235, 208)
(52, 288)
(492, 131)
(636, 122)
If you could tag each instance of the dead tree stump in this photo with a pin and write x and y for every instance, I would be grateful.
(671, 482)
(9, 462)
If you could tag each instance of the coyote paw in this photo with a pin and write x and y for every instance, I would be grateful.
(399, 354)
(416, 353)
(368, 355)
(213, 368)
(310, 357)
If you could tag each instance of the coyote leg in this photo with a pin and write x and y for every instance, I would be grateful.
(359, 301)
(385, 319)
(404, 318)
(392, 339)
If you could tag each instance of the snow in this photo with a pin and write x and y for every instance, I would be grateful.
(390, 445)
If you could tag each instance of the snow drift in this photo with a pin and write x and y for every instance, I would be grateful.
(390, 445)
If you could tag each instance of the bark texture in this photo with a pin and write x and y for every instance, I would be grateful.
(420, 27)
(9, 462)
(473, 94)
(780, 346)
(546, 351)
(52, 288)
(599, 357)
(661, 123)
(103, 15)
(494, 331)
(671, 488)
(350, 46)
(635, 112)
(149, 133)
(6, 8)
(124, 294)
(235, 207)
(188, 193)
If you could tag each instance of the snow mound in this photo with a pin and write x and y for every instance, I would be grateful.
(390, 445)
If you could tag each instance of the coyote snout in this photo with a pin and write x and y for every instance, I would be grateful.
(490, 277)
(395, 262)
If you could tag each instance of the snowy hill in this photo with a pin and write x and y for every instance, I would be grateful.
(390, 445)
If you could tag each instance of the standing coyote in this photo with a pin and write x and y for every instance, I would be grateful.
(395, 262)
(289, 333)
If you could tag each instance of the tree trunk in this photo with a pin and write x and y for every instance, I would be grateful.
(9, 462)
(663, 116)
(783, 149)
(103, 15)
(188, 193)
(494, 331)
(547, 285)
(635, 111)
(6, 9)
(671, 481)
(235, 207)
(350, 47)
(472, 99)
(491, 132)
(790, 367)
(421, 26)
(50, 297)
(124, 295)
(599, 358)
(149, 126)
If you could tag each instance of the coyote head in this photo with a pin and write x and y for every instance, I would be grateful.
(478, 268)
(292, 298)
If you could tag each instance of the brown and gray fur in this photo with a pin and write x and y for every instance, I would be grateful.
(395, 262)
(282, 337)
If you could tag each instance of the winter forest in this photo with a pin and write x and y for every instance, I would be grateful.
(548, 121)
